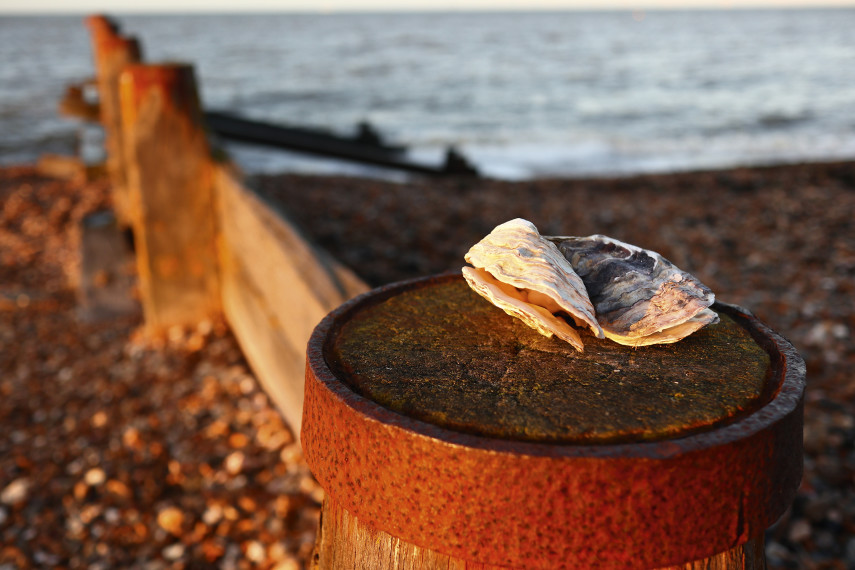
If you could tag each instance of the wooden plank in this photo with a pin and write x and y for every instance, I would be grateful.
(278, 365)
(276, 288)
(171, 195)
(299, 284)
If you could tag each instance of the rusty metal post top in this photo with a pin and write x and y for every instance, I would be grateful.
(512, 501)
(453, 360)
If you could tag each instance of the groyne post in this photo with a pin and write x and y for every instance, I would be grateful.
(170, 195)
(112, 53)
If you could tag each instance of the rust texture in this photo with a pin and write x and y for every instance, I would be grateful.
(345, 542)
(499, 501)
(444, 355)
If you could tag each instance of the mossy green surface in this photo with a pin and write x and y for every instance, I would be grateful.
(446, 356)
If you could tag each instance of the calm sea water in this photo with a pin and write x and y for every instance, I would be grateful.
(522, 94)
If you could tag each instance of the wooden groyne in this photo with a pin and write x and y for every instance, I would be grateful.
(206, 245)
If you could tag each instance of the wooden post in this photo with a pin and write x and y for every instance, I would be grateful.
(171, 197)
(112, 53)
(449, 435)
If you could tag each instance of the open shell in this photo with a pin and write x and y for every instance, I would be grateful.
(630, 295)
(525, 275)
(640, 297)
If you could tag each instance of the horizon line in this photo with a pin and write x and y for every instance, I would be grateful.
(432, 9)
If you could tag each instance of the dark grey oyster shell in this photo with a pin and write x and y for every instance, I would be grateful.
(639, 296)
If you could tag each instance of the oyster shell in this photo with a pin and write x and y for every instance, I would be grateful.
(525, 275)
(630, 295)
(640, 297)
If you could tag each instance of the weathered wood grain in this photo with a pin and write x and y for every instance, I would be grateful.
(276, 362)
(276, 288)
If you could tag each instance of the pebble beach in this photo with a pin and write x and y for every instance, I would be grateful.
(120, 451)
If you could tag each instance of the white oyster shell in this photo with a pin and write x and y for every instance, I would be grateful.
(630, 295)
(640, 297)
(525, 275)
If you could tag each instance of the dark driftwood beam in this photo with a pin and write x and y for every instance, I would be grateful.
(319, 143)
(702, 497)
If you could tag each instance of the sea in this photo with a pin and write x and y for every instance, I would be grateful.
(520, 94)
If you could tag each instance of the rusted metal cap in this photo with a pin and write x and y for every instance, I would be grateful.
(518, 503)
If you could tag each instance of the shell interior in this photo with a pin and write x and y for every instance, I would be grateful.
(524, 274)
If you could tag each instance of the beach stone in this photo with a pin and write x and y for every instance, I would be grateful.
(118, 488)
(95, 477)
(15, 492)
(238, 440)
(850, 551)
(212, 515)
(825, 540)
(99, 419)
(800, 531)
(170, 519)
(255, 551)
(289, 563)
(173, 551)
(46, 559)
(234, 462)
(112, 515)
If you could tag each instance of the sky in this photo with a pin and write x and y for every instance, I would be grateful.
(123, 6)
